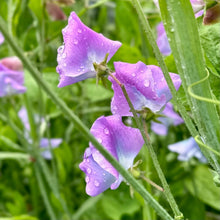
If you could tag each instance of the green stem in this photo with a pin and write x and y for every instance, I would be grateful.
(159, 57)
(167, 192)
(44, 193)
(68, 112)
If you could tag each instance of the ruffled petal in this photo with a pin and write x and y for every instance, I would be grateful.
(97, 179)
(145, 85)
(82, 47)
(121, 141)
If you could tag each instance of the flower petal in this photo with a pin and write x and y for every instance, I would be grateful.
(11, 82)
(1, 38)
(145, 85)
(171, 118)
(186, 149)
(82, 47)
(123, 142)
(46, 143)
(97, 178)
(162, 40)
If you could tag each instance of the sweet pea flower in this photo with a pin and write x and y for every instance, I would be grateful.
(82, 47)
(187, 149)
(11, 76)
(1, 38)
(123, 142)
(171, 118)
(145, 85)
(162, 40)
(45, 143)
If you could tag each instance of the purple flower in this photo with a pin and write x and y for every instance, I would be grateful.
(197, 5)
(1, 38)
(187, 149)
(145, 85)
(45, 143)
(123, 142)
(171, 118)
(11, 77)
(82, 47)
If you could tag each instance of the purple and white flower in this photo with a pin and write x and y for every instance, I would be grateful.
(123, 142)
(171, 118)
(45, 143)
(11, 76)
(82, 47)
(145, 85)
(187, 149)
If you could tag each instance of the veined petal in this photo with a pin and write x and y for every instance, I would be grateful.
(145, 85)
(82, 47)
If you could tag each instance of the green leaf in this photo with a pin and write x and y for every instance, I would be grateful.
(202, 187)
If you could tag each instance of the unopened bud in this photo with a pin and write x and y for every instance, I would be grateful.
(12, 63)
(212, 15)
(55, 12)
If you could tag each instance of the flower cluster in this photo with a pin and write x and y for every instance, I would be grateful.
(84, 55)
(45, 143)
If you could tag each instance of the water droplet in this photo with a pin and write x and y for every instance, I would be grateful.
(99, 140)
(79, 31)
(87, 179)
(64, 55)
(87, 160)
(103, 174)
(75, 41)
(60, 49)
(133, 74)
(146, 83)
(96, 183)
(142, 71)
(102, 44)
(64, 64)
(89, 170)
(172, 29)
(106, 131)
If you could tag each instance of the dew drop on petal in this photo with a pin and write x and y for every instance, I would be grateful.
(106, 131)
(87, 179)
(60, 49)
(133, 74)
(64, 64)
(79, 31)
(64, 55)
(89, 170)
(75, 41)
(87, 160)
(99, 140)
(96, 183)
(146, 83)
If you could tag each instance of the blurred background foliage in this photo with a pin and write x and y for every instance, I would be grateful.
(39, 34)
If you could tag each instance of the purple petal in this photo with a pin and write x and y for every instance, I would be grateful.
(82, 47)
(11, 82)
(171, 118)
(162, 40)
(47, 143)
(187, 149)
(197, 5)
(97, 178)
(145, 85)
(123, 142)
(24, 118)
(1, 38)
